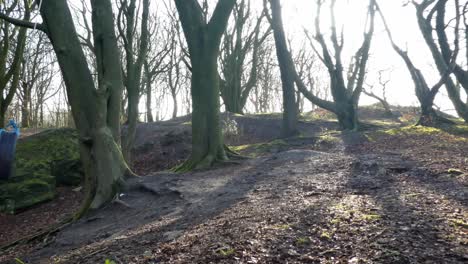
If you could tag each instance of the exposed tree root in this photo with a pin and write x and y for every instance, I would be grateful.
(209, 161)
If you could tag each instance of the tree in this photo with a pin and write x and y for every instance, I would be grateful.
(449, 54)
(425, 94)
(203, 39)
(36, 71)
(289, 127)
(442, 54)
(12, 45)
(240, 41)
(95, 108)
(346, 93)
(135, 53)
(155, 62)
(381, 98)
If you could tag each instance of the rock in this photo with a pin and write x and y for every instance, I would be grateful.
(32, 189)
(68, 172)
(42, 161)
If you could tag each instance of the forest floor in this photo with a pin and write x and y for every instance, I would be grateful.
(392, 193)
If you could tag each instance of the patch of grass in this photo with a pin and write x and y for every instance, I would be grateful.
(335, 221)
(318, 114)
(268, 115)
(326, 235)
(302, 240)
(459, 222)
(282, 227)
(370, 217)
(383, 122)
(256, 150)
(226, 252)
(457, 129)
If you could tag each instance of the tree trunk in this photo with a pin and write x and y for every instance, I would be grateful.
(175, 108)
(203, 41)
(149, 111)
(289, 127)
(134, 67)
(92, 108)
(347, 115)
(132, 117)
(25, 114)
(207, 140)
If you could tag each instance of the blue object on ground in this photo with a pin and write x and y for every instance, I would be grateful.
(8, 140)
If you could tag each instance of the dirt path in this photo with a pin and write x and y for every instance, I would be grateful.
(392, 198)
(297, 206)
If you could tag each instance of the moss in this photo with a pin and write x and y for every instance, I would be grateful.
(302, 241)
(460, 223)
(226, 252)
(370, 217)
(256, 150)
(282, 227)
(335, 221)
(18, 195)
(326, 235)
(42, 161)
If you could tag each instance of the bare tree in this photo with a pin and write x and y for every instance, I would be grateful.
(425, 94)
(381, 98)
(12, 45)
(345, 87)
(243, 39)
(136, 49)
(443, 56)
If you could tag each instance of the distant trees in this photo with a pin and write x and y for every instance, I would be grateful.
(203, 38)
(346, 87)
(37, 73)
(135, 49)
(381, 98)
(242, 40)
(12, 44)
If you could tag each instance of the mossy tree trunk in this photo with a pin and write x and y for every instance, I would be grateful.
(96, 110)
(203, 38)
(289, 127)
